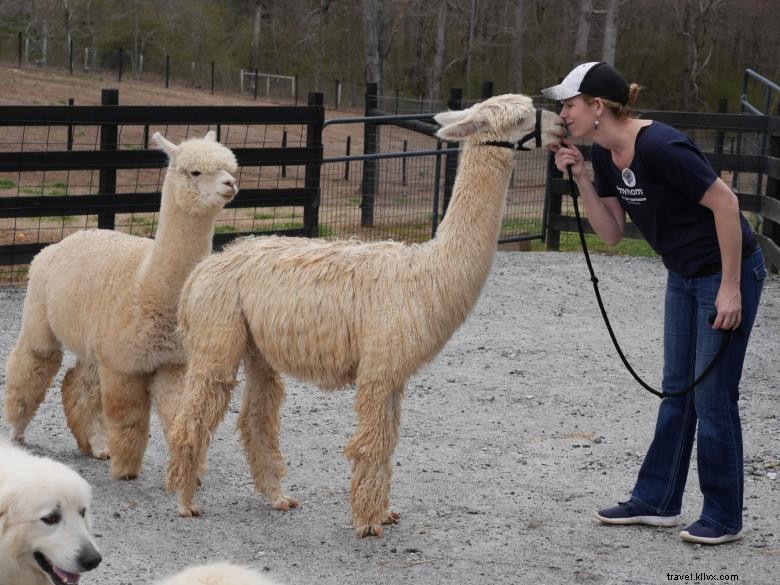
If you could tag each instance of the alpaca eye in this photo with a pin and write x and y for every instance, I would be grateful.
(53, 518)
(83, 512)
(195, 173)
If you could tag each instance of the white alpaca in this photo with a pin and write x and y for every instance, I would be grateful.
(110, 298)
(332, 313)
(217, 574)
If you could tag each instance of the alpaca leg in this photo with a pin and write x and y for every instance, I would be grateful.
(84, 410)
(126, 406)
(370, 449)
(166, 392)
(30, 368)
(204, 404)
(259, 425)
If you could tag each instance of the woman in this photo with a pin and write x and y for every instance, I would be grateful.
(691, 218)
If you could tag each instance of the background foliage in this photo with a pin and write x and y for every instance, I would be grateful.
(685, 53)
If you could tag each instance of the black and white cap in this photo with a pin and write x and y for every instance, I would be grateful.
(596, 79)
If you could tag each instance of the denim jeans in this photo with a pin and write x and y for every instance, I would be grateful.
(690, 343)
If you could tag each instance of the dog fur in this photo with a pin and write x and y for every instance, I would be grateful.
(218, 574)
(45, 533)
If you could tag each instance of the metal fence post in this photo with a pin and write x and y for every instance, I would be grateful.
(108, 141)
(370, 167)
(723, 107)
(451, 158)
(69, 145)
(771, 229)
(19, 50)
(313, 169)
(167, 69)
(70, 56)
(212, 78)
(121, 53)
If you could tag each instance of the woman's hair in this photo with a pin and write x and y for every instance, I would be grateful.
(621, 111)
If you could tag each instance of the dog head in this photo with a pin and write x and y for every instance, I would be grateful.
(45, 523)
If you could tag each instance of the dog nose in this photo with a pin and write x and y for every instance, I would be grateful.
(89, 558)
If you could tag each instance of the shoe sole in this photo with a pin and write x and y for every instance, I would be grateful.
(688, 537)
(657, 521)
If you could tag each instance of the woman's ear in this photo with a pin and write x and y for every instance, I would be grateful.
(599, 103)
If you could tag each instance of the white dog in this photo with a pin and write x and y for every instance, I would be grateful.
(217, 574)
(45, 536)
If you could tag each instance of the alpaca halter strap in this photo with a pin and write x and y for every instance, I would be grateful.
(535, 133)
(727, 334)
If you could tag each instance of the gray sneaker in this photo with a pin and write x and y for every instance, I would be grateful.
(630, 513)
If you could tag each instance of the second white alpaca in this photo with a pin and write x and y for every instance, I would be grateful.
(336, 312)
(110, 298)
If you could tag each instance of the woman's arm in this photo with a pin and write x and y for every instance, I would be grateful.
(605, 214)
(720, 199)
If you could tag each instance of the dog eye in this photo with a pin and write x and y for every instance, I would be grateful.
(83, 512)
(53, 518)
(195, 173)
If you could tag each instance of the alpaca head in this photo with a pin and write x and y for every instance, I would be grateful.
(503, 118)
(201, 173)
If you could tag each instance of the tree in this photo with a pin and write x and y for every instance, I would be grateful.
(583, 30)
(610, 32)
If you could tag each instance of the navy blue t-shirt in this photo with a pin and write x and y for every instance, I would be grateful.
(660, 191)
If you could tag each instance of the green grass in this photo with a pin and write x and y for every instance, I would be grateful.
(224, 229)
(324, 231)
(626, 247)
(262, 216)
(57, 189)
(7, 184)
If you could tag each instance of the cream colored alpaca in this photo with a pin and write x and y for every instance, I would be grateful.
(217, 574)
(332, 313)
(110, 298)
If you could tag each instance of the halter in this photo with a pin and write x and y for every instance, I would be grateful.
(518, 145)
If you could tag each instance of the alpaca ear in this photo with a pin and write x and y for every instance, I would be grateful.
(450, 117)
(459, 130)
(210, 136)
(165, 145)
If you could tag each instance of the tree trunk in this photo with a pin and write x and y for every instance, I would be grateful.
(517, 48)
(371, 31)
(583, 31)
(610, 32)
(437, 66)
(256, 21)
(470, 41)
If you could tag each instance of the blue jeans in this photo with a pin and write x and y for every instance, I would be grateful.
(690, 343)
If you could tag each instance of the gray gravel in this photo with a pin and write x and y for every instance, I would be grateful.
(524, 424)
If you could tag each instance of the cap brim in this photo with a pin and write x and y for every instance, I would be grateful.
(560, 92)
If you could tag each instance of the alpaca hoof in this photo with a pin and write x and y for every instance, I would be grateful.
(189, 511)
(102, 455)
(284, 503)
(391, 518)
(120, 473)
(370, 530)
(18, 438)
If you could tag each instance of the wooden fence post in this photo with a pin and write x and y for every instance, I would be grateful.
(108, 141)
(312, 174)
(370, 167)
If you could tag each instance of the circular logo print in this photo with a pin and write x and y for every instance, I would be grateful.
(628, 177)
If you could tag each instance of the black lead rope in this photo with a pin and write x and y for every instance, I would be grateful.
(726, 338)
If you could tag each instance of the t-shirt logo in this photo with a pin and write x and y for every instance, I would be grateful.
(628, 177)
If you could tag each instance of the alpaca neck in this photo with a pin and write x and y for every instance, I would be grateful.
(180, 242)
(466, 240)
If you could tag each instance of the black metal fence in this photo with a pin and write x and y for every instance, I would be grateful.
(66, 168)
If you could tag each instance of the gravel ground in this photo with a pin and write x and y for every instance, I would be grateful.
(523, 425)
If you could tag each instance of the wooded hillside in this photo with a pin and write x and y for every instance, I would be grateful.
(685, 53)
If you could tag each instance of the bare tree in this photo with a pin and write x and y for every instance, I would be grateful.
(439, 46)
(610, 32)
(257, 19)
(518, 36)
(583, 30)
(694, 20)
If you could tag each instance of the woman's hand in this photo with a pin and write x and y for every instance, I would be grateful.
(568, 154)
(728, 304)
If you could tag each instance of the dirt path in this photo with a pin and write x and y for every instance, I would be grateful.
(521, 427)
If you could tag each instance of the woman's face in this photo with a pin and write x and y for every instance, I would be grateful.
(578, 116)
